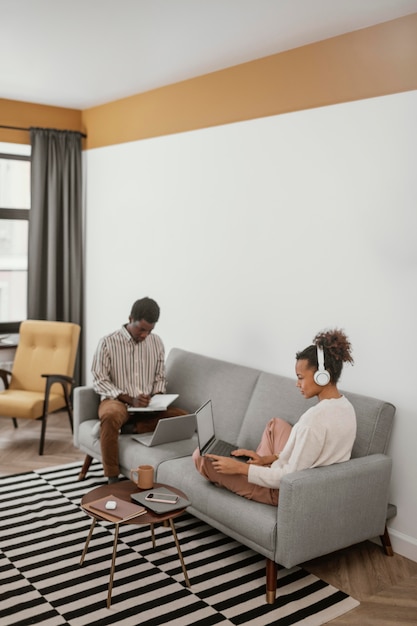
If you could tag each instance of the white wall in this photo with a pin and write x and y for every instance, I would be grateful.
(253, 236)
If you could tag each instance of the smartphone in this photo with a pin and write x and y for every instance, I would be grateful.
(166, 498)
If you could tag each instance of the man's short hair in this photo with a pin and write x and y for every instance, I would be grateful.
(145, 309)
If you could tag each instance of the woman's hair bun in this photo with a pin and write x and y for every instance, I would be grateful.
(336, 344)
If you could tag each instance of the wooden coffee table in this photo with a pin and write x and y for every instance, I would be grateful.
(122, 490)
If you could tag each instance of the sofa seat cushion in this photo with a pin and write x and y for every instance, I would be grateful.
(86, 442)
(250, 523)
(132, 454)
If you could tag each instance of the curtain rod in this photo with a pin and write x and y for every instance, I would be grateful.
(28, 129)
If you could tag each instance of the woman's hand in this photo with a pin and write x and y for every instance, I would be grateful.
(254, 458)
(226, 465)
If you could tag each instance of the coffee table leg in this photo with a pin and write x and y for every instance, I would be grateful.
(177, 543)
(153, 535)
(113, 564)
(113, 561)
(93, 523)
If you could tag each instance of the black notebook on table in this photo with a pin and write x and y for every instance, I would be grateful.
(159, 507)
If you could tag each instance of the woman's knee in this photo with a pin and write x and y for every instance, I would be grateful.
(281, 431)
(277, 423)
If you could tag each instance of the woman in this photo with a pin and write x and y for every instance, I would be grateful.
(323, 435)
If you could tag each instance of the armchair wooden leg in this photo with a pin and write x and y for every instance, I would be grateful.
(14, 422)
(86, 465)
(386, 543)
(271, 581)
(70, 420)
(69, 407)
(43, 430)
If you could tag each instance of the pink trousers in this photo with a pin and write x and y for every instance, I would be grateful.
(274, 438)
(113, 415)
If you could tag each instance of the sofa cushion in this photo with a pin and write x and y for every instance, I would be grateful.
(198, 378)
(249, 522)
(374, 419)
(132, 454)
(273, 396)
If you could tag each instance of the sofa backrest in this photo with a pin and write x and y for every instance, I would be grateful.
(273, 396)
(197, 378)
(277, 396)
(374, 419)
(244, 399)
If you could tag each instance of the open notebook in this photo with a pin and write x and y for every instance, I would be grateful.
(159, 402)
(123, 511)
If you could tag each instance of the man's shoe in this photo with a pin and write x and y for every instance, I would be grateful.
(128, 429)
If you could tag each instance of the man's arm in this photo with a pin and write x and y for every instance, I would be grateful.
(160, 383)
(100, 369)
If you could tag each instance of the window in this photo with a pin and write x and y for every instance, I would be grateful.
(14, 227)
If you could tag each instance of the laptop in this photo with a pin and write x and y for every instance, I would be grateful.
(169, 429)
(207, 440)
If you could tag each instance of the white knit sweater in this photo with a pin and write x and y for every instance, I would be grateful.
(323, 435)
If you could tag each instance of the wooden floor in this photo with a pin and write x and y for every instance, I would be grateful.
(19, 446)
(385, 586)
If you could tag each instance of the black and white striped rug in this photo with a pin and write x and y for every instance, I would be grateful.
(42, 535)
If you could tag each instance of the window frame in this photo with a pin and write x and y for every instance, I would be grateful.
(13, 214)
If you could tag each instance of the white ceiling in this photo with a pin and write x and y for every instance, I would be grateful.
(82, 53)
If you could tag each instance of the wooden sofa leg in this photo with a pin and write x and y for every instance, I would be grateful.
(386, 543)
(85, 467)
(271, 581)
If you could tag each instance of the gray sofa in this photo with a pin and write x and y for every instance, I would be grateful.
(320, 510)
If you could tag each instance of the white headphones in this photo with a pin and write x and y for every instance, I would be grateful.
(322, 376)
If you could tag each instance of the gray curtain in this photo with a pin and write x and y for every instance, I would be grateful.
(55, 256)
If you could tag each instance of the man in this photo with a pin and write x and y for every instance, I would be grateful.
(128, 369)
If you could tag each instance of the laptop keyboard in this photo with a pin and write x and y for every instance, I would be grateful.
(222, 448)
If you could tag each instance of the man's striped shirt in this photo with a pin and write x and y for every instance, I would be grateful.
(122, 365)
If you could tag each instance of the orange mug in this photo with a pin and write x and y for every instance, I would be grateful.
(142, 476)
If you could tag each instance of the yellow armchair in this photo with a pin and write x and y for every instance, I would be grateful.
(41, 378)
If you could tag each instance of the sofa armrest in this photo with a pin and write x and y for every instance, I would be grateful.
(86, 403)
(329, 508)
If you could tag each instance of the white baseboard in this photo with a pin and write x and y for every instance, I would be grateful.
(403, 544)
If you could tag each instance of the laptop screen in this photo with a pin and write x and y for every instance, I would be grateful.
(205, 428)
